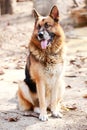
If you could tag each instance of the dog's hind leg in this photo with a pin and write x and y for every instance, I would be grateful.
(24, 97)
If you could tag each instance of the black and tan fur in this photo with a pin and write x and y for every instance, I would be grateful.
(43, 86)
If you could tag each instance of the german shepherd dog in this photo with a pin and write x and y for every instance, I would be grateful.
(43, 86)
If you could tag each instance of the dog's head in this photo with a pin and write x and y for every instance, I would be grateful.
(46, 28)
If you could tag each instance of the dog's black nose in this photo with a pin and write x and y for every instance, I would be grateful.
(40, 34)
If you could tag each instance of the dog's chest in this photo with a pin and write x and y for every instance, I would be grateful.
(52, 74)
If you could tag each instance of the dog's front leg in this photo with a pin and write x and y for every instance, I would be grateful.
(42, 101)
(56, 96)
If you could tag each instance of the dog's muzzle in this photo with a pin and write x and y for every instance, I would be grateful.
(45, 38)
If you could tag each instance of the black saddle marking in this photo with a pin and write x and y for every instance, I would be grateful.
(31, 84)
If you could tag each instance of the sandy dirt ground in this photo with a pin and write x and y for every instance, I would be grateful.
(15, 32)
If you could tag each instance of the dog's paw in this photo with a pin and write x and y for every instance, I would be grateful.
(57, 114)
(43, 117)
(37, 110)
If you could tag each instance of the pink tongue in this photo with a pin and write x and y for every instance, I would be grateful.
(44, 44)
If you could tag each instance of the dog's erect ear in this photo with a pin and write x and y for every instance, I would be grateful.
(36, 14)
(55, 13)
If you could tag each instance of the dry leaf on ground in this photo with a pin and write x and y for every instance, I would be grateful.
(72, 107)
(12, 119)
(1, 72)
(85, 96)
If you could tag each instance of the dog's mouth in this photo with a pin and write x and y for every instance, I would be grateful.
(45, 39)
(44, 43)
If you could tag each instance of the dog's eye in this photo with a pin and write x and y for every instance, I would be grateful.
(46, 25)
(39, 26)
